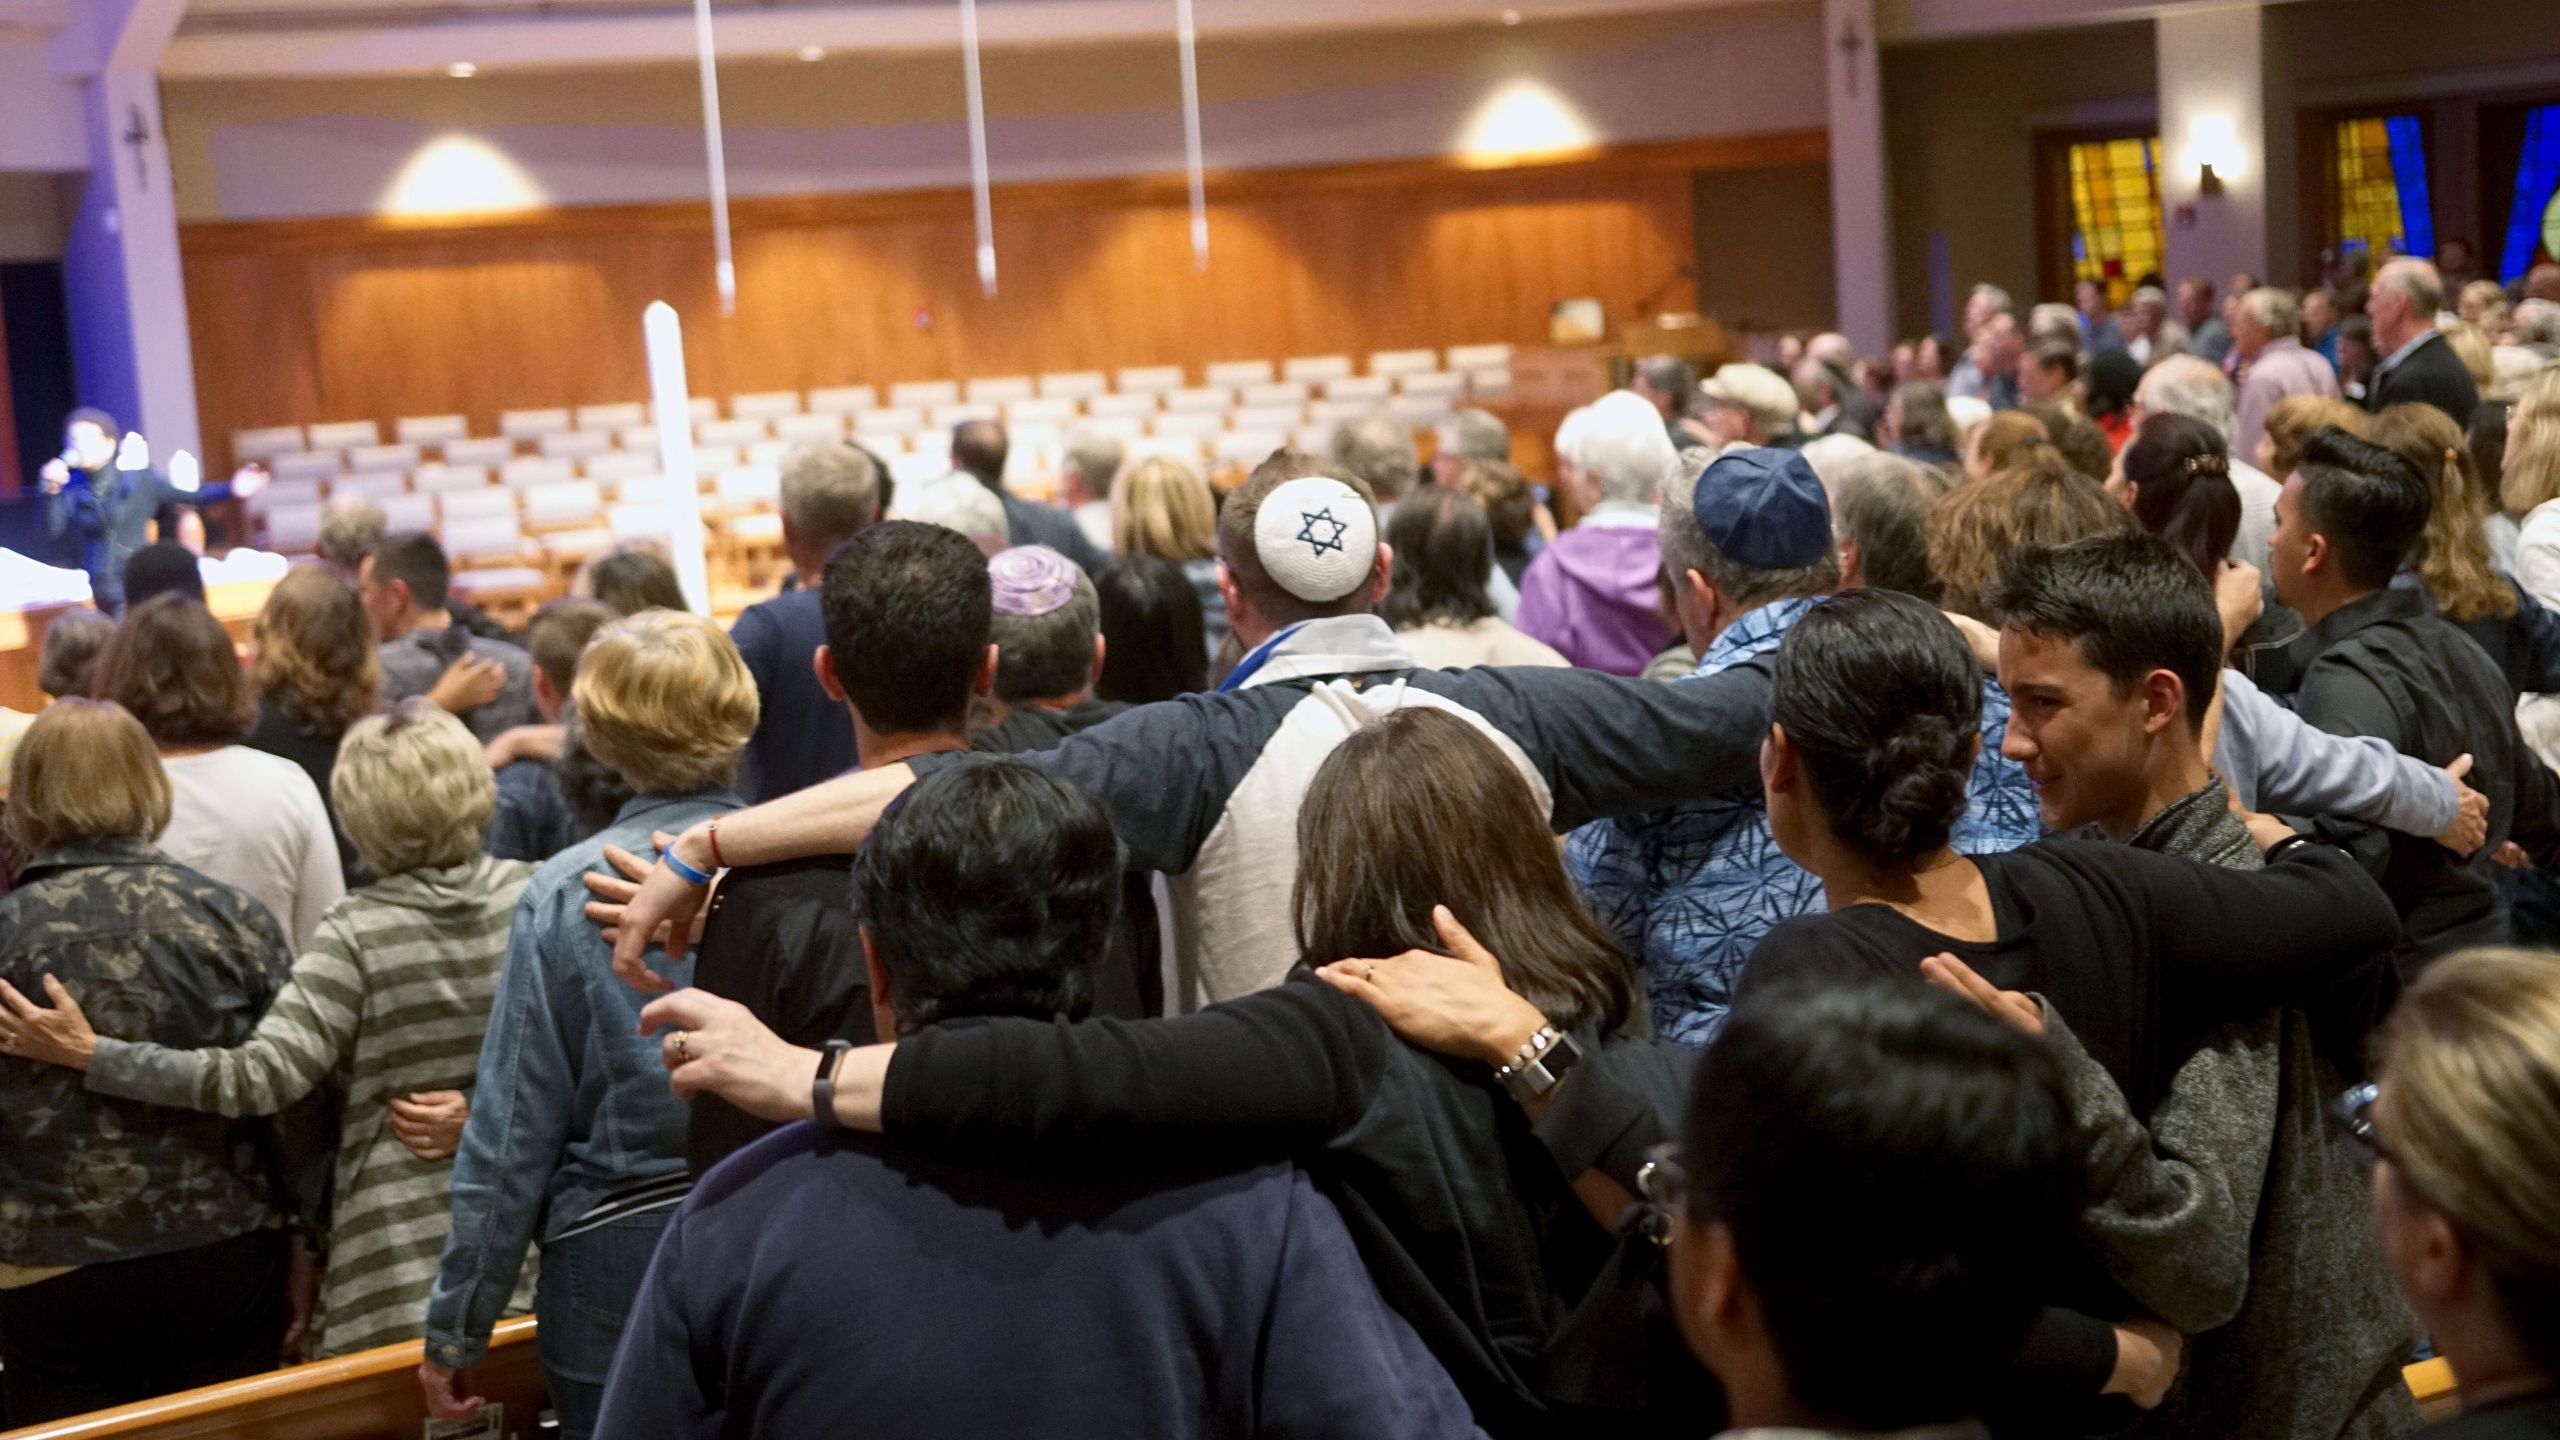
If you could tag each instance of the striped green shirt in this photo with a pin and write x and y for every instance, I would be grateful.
(390, 998)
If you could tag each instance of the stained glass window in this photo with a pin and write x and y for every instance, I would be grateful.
(2115, 213)
(2537, 178)
(2383, 203)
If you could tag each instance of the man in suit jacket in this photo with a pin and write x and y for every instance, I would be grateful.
(979, 448)
(2417, 365)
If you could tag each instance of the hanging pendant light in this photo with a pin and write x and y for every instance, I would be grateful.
(1189, 37)
(978, 149)
(724, 264)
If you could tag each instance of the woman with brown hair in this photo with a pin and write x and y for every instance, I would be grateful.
(2044, 502)
(2453, 557)
(1162, 507)
(2175, 476)
(2293, 420)
(241, 816)
(2464, 1127)
(2007, 441)
(1468, 1222)
(314, 668)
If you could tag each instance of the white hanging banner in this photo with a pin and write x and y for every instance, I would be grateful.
(1189, 37)
(978, 148)
(724, 264)
(672, 405)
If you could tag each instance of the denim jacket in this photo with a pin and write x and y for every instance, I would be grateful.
(571, 1101)
(155, 952)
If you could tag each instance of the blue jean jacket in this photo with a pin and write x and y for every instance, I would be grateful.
(571, 1100)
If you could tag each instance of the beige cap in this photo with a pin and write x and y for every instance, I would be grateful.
(1757, 389)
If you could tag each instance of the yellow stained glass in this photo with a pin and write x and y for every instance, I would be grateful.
(2368, 189)
(2116, 234)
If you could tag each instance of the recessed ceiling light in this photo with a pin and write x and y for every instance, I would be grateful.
(462, 69)
(1510, 17)
(813, 52)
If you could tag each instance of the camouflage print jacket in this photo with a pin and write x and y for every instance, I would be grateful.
(155, 952)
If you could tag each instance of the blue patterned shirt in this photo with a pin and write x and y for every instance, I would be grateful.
(1693, 888)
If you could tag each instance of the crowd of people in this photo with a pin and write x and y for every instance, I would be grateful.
(1991, 890)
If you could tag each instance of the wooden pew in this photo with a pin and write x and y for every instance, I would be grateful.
(369, 1395)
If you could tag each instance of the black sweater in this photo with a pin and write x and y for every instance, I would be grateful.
(1462, 1214)
(2143, 953)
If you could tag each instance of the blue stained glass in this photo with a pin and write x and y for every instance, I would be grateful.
(2409, 170)
(2537, 176)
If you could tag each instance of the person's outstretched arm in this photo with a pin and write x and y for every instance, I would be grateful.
(2283, 764)
(298, 1042)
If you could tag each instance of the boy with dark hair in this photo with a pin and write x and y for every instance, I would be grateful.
(2379, 661)
(827, 1283)
(1822, 1312)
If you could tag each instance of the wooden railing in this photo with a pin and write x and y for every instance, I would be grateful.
(372, 1393)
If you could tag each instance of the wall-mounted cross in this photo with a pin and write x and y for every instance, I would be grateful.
(137, 133)
(1850, 43)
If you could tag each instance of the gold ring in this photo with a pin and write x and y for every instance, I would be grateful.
(1368, 972)
(681, 1056)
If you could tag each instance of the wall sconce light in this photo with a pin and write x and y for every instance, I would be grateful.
(2209, 183)
(2213, 146)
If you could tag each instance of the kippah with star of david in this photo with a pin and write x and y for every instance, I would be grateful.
(1316, 538)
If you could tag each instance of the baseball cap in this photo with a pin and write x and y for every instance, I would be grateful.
(1757, 389)
(1765, 508)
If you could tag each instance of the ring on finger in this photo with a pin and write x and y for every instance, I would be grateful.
(681, 1055)
(1368, 972)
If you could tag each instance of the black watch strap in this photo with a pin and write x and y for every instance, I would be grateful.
(822, 1090)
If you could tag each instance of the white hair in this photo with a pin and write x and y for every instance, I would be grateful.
(1832, 455)
(956, 502)
(2274, 311)
(2536, 322)
(1622, 447)
(2186, 385)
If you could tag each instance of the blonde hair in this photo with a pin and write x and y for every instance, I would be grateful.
(1160, 506)
(2453, 556)
(2473, 347)
(86, 770)
(2011, 439)
(2470, 1116)
(665, 702)
(413, 789)
(2532, 474)
(2293, 420)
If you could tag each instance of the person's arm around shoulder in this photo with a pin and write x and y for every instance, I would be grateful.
(2229, 944)
(299, 1041)
(2281, 762)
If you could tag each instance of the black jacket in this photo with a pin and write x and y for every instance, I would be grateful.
(781, 941)
(1460, 1209)
(2386, 665)
(2431, 375)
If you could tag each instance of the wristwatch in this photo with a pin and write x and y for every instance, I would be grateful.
(822, 1091)
(1541, 1065)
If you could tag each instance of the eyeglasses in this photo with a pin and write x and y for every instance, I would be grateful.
(2354, 1115)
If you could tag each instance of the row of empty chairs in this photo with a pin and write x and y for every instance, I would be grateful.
(1248, 395)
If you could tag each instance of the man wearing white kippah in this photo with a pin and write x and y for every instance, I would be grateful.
(1205, 789)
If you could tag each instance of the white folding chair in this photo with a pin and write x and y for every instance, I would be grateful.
(612, 417)
(277, 494)
(731, 432)
(825, 429)
(525, 474)
(482, 539)
(765, 405)
(493, 451)
(1420, 410)
(1249, 448)
(1438, 384)
(423, 430)
(1138, 406)
(1315, 369)
(1238, 372)
(621, 465)
(649, 490)
(1479, 357)
(1394, 363)
(1002, 390)
(843, 399)
(576, 445)
(959, 412)
(1326, 414)
(306, 465)
(1148, 380)
(1268, 417)
(1073, 385)
(532, 424)
(469, 505)
(1123, 428)
(408, 514)
(1278, 392)
(749, 487)
(376, 487)
(1200, 400)
(712, 459)
(1489, 384)
(345, 435)
(293, 529)
(451, 479)
(637, 439)
(768, 452)
(1371, 389)
(631, 523)
(1195, 425)
(898, 421)
(1039, 412)
(267, 444)
(697, 410)
(559, 507)
(924, 394)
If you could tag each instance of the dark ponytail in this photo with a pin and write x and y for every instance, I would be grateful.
(1882, 703)
(2181, 471)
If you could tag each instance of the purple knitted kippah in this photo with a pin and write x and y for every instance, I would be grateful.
(1032, 580)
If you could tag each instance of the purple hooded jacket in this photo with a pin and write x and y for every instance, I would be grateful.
(1592, 594)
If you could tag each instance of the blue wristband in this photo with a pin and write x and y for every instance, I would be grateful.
(684, 872)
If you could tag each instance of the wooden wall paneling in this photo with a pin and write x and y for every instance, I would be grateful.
(301, 321)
